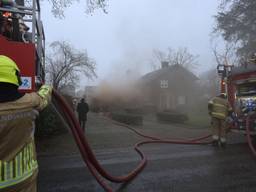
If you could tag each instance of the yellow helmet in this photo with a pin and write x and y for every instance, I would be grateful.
(9, 71)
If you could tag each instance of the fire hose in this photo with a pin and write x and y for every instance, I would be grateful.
(248, 134)
(88, 155)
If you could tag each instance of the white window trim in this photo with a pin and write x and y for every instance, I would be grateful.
(163, 84)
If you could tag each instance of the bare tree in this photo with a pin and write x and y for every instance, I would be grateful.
(58, 6)
(158, 56)
(64, 65)
(96, 4)
(227, 56)
(181, 56)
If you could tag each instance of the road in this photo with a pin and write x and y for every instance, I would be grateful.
(171, 168)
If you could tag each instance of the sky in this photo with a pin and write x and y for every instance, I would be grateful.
(124, 38)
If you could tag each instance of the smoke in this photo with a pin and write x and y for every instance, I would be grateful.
(119, 88)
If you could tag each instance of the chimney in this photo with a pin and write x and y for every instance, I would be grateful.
(164, 64)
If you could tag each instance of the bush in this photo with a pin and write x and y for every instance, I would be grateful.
(49, 124)
(133, 110)
(126, 118)
(171, 117)
(149, 108)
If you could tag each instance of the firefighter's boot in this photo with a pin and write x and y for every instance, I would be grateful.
(215, 143)
(223, 144)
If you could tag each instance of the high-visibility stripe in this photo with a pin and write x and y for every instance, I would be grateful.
(19, 165)
(218, 115)
(28, 158)
(9, 170)
(31, 156)
(19, 169)
(5, 170)
(1, 178)
(15, 180)
(16, 166)
(25, 161)
(219, 105)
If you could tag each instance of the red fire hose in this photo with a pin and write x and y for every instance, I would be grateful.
(63, 105)
(184, 141)
(248, 134)
(89, 157)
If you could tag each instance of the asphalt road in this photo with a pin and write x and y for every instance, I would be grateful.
(171, 168)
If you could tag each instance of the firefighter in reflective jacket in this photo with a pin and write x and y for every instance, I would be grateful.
(219, 110)
(18, 163)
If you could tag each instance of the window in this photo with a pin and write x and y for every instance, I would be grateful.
(164, 84)
(181, 100)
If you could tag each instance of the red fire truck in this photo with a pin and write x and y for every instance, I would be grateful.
(26, 47)
(240, 85)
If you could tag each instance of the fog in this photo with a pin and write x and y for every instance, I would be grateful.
(123, 42)
(125, 37)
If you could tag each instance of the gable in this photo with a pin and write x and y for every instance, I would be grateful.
(172, 73)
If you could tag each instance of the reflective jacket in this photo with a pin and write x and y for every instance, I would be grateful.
(17, 149)
(219, 108)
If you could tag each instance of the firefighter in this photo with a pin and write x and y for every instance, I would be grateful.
(18, 162)
(219, 110)
(6, 28)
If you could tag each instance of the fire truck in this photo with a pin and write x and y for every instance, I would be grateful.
(22, 39)
(240, 85)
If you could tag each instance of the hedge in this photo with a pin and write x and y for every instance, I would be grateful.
(126, 118)
(171, 117)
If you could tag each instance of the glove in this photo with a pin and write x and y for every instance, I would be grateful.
(229, 119)
(45, 92)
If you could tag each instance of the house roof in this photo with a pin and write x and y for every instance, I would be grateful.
(172, 72)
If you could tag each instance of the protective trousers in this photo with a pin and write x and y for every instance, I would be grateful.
(219, 127)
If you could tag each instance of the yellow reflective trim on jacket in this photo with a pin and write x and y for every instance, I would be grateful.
(24, 160)
(21, 155)
(220, 108)
(30, 157)
(10, 171)
(16, 166)
(19, 169)
(219, 105)
(218, 115)
(5, 171)
(1, 171)
(23, 164)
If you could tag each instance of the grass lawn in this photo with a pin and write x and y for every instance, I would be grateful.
(199, 120)
(103, 134)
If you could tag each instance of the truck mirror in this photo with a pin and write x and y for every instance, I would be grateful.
(220, 69)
